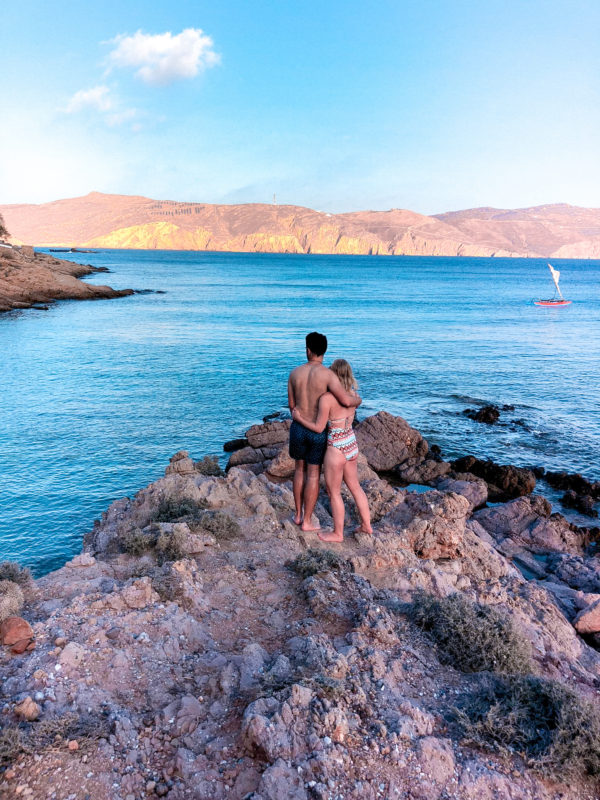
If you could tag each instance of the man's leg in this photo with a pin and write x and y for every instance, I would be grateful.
(298, 483)
(311, 493)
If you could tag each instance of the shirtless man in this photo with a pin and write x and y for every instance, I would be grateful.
(305, 385)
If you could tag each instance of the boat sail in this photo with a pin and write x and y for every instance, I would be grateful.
(554, 301)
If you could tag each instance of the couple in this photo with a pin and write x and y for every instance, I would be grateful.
(322, 402)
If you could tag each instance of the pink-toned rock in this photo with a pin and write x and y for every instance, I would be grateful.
(588, 619)
(432, 522)
(387, 441)
(140, 594)
(28, 709)
(268, 434)
(17, 634)
(180, 464)
(82, 560)
(436, 759)
(283, 464)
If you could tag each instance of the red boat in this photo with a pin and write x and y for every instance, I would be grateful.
(554, 301)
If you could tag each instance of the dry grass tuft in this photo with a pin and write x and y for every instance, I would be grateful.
(470, 636)
(209, 466)
(136, 542)
(220, 524)
(314, 561)
(552, 726)
(11, 599)
(11, 571)
(178, 510)
(171, 546)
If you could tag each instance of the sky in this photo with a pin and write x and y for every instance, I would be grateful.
(431, 105)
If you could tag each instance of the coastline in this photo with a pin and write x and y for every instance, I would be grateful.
(202, 643)
(31, 279)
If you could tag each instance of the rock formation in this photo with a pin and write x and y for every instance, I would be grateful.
(202, 646)
(28, 279)
(100, 220)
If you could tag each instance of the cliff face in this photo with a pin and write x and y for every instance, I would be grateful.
(100, 220)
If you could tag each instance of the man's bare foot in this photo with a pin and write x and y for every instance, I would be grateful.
(297, 520)
(307, 527)
(362, 529)
(330, 536)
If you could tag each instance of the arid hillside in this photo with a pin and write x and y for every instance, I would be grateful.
(101, 220)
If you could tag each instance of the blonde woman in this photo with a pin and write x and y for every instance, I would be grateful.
(340, 463)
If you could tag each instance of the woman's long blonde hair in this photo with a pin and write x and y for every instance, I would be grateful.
(344, 372)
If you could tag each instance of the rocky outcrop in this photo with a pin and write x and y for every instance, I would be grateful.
(187, 653)
(504, 482)
(387, 442)
(35, 279)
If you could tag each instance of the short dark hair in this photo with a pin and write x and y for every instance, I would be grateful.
(316, 343)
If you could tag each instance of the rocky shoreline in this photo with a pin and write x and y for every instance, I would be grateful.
(33, 280)
(203, 647)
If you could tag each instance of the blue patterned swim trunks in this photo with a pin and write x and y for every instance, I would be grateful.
(307, 445)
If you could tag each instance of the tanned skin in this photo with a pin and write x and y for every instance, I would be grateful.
(306, 384)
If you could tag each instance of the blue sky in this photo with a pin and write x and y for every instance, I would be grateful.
(434, 105)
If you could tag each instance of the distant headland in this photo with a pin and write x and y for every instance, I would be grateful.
(121, 221)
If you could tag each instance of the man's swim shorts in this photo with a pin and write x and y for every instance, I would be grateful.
(307, 445)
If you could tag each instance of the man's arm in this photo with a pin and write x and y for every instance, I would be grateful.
(291, 399)
(322, 415)
(347, 399)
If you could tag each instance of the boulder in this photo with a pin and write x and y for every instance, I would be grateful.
(17, 634)
(387, 441)
(504, 481)
(476, 490)
(487, 414)
(426, 473)
(432, 522)
(283, 465)
(235, 444)
(584, 503)
(180, 464)
(268, 434)
(588, 619)
(527, 522)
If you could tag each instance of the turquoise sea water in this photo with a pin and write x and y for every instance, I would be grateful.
(96, 396)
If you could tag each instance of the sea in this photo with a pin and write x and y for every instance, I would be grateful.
(96, 396)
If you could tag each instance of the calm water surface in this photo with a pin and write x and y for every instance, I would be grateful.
(96, 396)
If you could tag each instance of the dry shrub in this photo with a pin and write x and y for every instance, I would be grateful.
(11, 571)
(314, 561)
(171, 546)
(135, 541)
(220, 524)
(209, 466)
(11, 744)
(11, 599)
(470, 636)
(183, 509)
(552, 726)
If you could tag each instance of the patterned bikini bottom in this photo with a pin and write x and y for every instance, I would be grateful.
(343, 439)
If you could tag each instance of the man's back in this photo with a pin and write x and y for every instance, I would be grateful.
(308, 382)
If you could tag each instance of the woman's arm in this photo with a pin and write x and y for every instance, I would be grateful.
(322, 415)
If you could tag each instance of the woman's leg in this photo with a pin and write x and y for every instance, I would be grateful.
(333, 471)
(360, 498)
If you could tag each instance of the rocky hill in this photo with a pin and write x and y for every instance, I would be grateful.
(101, 220)
(203, 647)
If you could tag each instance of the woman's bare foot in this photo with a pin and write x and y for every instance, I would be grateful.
(330, 536)
(297, 520)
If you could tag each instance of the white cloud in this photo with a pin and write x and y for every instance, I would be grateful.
(164, 58)
(98, 99)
